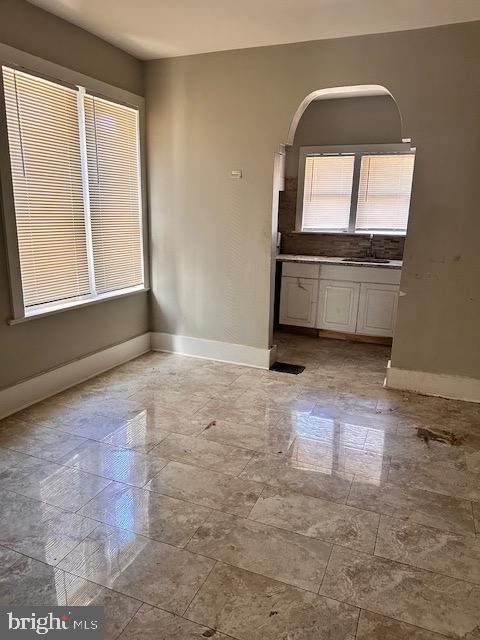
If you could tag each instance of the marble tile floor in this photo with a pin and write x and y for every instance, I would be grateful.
(197, 499)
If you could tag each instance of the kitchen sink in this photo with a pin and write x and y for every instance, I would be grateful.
(373, 260)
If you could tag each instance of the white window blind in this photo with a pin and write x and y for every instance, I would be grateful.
(327, 192)
(75, 167)
(384, 192)
(44, 145)
(114, 188)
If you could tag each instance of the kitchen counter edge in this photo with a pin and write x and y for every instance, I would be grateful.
(284, 257)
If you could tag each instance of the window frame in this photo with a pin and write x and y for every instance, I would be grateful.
(35, 66)
(358, 151)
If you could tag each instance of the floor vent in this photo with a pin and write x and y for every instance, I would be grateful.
(284, 367)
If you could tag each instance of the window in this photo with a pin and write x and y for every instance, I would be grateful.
(75, 168)
(327, 191)
(384, 192)
(355, 190)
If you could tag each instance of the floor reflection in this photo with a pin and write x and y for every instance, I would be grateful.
(330, 445)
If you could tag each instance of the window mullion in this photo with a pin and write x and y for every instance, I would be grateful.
(354, 200)
(85, 189)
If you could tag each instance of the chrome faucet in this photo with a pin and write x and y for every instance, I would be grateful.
(369, 252)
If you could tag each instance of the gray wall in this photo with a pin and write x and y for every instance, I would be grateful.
(29, 28)
(367, 120)
(211, 234)
(35, 346)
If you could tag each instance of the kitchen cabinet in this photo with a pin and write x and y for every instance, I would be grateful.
(338, 305)
(342, 298)
(298, 301)
(377, 309)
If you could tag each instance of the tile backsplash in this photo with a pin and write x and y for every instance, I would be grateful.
(328, 244)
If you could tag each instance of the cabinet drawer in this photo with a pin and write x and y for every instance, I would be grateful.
(360, 274)
(300, 270)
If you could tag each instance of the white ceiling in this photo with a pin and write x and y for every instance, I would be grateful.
(163, 28)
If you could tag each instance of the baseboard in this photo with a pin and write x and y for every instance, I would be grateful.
(433, 384)
(213, 350)
(335, 335)
(354, 337)
(45, 385)
(40, 387)
(302, 331)
(272, 355)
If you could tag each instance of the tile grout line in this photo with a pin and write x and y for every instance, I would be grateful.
(325, 570)
(195, 531)
(376, 535)
(256, 502)
(183, 614)
(120, 633)
(354, 476)
(358, 622)
(473, 518)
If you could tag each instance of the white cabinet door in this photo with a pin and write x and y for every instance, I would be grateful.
(338, 305)
(298, 301)
(377, 309)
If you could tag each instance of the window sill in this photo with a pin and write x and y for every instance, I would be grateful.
(397, 234)
(49, 310)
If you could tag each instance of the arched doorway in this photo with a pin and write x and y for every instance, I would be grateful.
(375, 131)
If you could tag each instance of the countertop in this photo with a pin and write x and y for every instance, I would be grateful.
(285, 257)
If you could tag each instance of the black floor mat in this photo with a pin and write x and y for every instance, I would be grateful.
(284, 367)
